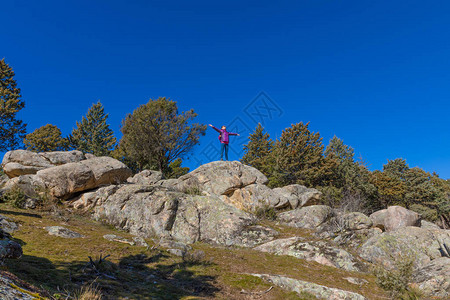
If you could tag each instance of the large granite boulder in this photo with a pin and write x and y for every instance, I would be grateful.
(157, 211)
(310, 217)
(23, 162)
(300, 286)
(318, 251)
(222, 177)
(255, 196)
(419, 244)
(395, 217)
(64, 181)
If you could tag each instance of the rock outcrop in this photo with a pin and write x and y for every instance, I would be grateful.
(64, 181)
(153, 210)
(434, 278)
(23, 162)
(318, 251)
(319, 291)
(419, 244)
(222, 177)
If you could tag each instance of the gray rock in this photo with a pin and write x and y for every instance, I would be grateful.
(318, 251)
(398, 217)
(306, 217)
(255, 196)
(434, 278)
(62, 232)
(9, 290)
(146, 177)
(299, 286)
(419, 244)
(255, 235)
(395, 217)
(176, 252)
(355, 221)
(378, 218)
(428, 225)
(24, 162)
(139, 241)
(299, 195)
(7, 225)
(222, 177)
(58, 158)
(357, 281)
(157, 211)
(31, 185)
(171, 244)
(65, 180)
(9, 249)
(119, 239)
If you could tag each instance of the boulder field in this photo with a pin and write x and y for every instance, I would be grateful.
(217, 203)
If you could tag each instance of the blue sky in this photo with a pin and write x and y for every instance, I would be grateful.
(374, 73)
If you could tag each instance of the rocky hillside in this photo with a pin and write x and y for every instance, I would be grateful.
(217, 232)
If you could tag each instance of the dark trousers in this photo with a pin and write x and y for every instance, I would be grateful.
(223, 147)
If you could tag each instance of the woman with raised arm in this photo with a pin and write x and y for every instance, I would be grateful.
(224, 140)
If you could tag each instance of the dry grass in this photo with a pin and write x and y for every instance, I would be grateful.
(90, 292)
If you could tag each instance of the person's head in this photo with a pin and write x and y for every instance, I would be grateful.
(224, 127)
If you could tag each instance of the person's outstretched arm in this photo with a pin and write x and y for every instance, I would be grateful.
(232, 133)
(216, 129)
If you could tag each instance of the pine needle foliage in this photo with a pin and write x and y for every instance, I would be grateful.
(46, 138)
(155, 134)
(12, 130)
(92, 134)
(258, 149)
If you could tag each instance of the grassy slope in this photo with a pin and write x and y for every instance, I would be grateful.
(60, 265)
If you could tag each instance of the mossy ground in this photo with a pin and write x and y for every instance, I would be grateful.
(61, 266)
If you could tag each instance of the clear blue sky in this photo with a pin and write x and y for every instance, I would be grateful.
(374, 73)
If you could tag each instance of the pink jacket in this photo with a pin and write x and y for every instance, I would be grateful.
(224, 135)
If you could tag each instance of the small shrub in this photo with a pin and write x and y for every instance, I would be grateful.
(45, 200)
(396, 281)
(15, 196)
(192, 188)
(266, 213)
(194, 257)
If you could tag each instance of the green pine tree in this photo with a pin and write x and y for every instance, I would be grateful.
(12, 130)
(297, 157)
(155, 135)
(258, 149)
(46, 138)
(92, 134)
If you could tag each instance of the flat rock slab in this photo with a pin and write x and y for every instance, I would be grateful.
(62, 232)
(138, 241)
(317, 251)
(299, 286)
